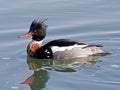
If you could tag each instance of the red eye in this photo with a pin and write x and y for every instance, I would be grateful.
(35, 30)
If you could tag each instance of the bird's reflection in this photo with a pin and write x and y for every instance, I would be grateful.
(41, 69)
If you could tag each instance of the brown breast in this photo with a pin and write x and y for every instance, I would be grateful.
(31, 49)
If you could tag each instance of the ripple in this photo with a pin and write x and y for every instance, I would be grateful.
(105, 82)
(6, 58)
(14, 87)
(115, 66)
(11, 31)
(87, 34)
(82, 23)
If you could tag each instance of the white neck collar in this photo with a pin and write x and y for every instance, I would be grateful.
(38, 42)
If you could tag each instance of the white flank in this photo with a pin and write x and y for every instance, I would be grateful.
(57, 48)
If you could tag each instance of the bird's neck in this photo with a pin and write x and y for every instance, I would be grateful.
(32, 47)
(37, 42)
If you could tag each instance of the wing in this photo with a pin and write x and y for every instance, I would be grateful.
(64, 42)
(67, 42)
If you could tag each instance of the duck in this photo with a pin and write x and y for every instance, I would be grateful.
(58, 48)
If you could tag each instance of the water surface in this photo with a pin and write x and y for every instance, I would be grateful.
(94, 21)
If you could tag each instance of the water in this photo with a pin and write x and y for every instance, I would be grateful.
(94, 21)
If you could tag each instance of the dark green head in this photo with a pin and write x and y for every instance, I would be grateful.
(37, 30)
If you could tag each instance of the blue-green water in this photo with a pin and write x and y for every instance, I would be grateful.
(94, 21)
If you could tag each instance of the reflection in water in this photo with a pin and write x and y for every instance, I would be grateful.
(41, 67)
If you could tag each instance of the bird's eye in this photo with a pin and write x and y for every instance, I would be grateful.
(35, 31)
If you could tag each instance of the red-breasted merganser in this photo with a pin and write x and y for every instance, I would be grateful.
(57, 49)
